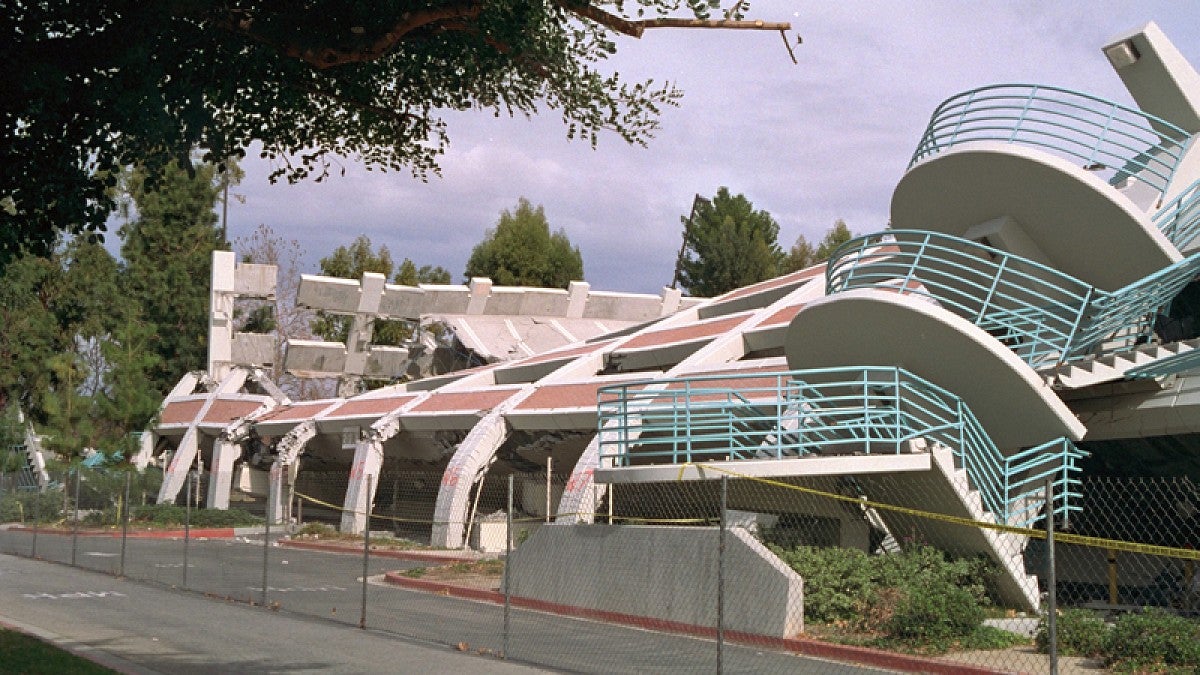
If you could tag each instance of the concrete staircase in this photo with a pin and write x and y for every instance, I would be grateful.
(1111, 367)
(946, 490)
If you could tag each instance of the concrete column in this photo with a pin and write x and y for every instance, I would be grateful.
(176, 471)
(220, 476)
(581, 495)
(364, 480)
(469, 462)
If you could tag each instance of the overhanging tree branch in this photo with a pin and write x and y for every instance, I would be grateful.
(635, 28)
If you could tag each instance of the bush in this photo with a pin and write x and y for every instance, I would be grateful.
(24, 506)
(837, 581)
(172, 515)
(1080, 633)
(934, 612)
(1154, 641)
(916, 596)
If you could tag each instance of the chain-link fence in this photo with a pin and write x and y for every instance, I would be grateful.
(901, 572)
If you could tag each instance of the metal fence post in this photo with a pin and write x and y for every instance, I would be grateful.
(1051, 581)
(262, 600)
(721, 576)
(125, 524)
(508, 541)
(549, 469)
(75, 518)
(362, 618)
(187, 529)
(37, 518)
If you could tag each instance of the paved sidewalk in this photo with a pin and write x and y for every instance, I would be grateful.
(140, 628)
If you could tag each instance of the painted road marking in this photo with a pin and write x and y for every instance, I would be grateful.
(99, 554)
(74, 596)
(298, 589)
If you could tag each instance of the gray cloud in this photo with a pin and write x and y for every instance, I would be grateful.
(810, 143)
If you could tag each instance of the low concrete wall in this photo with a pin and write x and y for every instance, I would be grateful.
(665, 573)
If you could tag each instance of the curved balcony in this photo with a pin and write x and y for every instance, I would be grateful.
(1042, 315)
(1118, 141)
(830, 411)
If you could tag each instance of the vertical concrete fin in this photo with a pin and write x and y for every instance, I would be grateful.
(470, 460)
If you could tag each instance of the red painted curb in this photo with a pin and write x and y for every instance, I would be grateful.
(418, 556)
(803, 646)
(209, 533)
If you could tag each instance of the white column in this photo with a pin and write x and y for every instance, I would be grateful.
(364, 480)
(471, 458)
(275, 494)
(220, 476)
(181, 462)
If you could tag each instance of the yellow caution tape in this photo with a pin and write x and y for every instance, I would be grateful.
(1059, 537)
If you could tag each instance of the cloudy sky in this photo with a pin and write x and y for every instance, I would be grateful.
(810, 143)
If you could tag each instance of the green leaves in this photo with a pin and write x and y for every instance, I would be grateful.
(96, 87)
(727, 244)
(521, 251)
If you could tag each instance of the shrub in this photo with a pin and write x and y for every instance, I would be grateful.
(914, 595)
(172, 515)
(837, 581)
(934, 612)
(25, 506)
(1079, 632)
(1154, 641)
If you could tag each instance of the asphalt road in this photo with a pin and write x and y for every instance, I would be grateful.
(315, 600)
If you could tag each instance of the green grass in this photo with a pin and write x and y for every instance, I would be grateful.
(20, 653)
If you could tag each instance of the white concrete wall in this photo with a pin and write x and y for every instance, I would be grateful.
(665, 573)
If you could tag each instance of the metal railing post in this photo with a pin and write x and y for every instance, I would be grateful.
(1051, 581)
(125, 525)
(37, 520)
(187, 528)
(75, 519)
(362, 618)
(721, 576)
(508, 546)
(262, 600)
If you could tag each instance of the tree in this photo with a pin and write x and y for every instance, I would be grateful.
(410, 275)
(521, 251)
(803, 255)
(282, 316)
(93, 87)
(73, 354)
(726, 245)
(167, 254)
(350, 262)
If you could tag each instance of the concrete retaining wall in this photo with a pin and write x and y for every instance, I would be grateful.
(665, 573)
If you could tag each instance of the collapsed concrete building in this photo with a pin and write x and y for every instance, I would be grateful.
(1033, 301)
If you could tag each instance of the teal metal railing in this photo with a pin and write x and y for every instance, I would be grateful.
(1179, 218)
(1044, 316)
(1171, 365)
(833, 411)
(1102, 135)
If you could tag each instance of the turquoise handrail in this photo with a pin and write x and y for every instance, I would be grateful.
(1044, 316)
(1100, 134)
(830, 411)
(1179, 218)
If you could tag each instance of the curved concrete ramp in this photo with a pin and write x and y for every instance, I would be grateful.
(878, 328)
(1061, 214)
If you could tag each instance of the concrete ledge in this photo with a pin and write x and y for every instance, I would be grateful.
(797, 645)
(765, 468)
